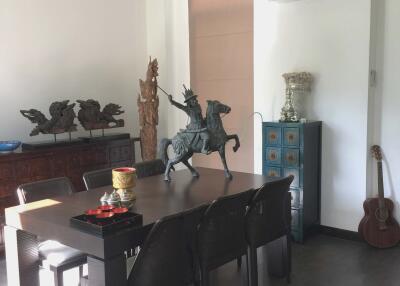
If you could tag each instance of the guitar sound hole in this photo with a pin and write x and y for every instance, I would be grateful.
(381, 215)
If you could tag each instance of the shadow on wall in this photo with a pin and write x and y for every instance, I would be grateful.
(328, 178)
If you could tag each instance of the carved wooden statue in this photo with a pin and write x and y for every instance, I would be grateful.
(92, 117)
(61, 121)
(148, 102)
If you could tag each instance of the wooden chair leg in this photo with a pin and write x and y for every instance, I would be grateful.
(289, 257)
(247, 269)
(58, 277)
(253, 266)
(239, 262)
(80, 273)
(205, 277)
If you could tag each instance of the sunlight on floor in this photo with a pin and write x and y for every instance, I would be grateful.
(71, 277)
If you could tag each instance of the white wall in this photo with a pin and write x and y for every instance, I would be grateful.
(385, 99)
(53, 50)
(330, 39)
(168, 40)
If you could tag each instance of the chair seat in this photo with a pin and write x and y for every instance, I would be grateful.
(56, 254)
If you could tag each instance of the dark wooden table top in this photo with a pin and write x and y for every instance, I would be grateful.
(50, 219)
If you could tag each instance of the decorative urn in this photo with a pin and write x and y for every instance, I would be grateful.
(297, 85)
(124, 180)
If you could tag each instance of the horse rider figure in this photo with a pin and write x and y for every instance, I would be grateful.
(197, 123)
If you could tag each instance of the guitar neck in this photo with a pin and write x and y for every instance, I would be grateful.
(381, 193)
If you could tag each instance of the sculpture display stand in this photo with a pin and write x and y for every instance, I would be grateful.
(48, 144)
(112, 136)
(148, 103)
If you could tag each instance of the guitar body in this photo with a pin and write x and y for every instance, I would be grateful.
(371, 229)
(378, 227)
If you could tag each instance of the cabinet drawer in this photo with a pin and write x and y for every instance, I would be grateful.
(273, 156)
(291, 137)
(295, 173)
(291, 157)
(273, 171)
(273, 136)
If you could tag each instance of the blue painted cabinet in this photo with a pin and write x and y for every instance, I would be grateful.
(295, 149)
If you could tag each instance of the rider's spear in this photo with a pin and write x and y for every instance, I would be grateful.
(166, 93)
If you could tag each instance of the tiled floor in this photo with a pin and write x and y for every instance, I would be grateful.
(321, 261)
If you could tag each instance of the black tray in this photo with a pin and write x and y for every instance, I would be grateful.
(103, 227)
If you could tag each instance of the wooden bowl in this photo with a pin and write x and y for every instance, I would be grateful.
(93, 212)
(120, 210)
(106, 208)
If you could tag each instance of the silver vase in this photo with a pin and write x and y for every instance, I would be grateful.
(297, 85)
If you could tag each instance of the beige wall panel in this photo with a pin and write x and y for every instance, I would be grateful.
(221, 54)
(238, 94)
(227, 56)
(210, 17)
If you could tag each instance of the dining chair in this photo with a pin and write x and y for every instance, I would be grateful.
(149, 168)
(98, 178)
(167, 256)
(268, 219)
(54, 256)
(221, 233)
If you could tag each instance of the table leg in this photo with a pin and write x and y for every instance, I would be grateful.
(22, 257)
(277, 257)
(107, 272)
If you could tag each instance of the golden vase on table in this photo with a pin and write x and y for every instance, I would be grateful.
(124, 180)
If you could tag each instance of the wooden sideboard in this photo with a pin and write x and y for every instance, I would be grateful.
(68, 161)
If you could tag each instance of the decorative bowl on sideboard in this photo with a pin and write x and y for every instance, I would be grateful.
(9, 146)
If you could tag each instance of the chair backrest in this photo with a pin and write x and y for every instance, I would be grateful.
(98, 178)
(167, 256)
(221, 232)
(268, 215)
(45, 189)
(149, 168)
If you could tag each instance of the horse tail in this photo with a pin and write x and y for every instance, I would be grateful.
(164, 149)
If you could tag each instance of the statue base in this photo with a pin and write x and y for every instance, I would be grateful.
(48, 144)
(105, 137)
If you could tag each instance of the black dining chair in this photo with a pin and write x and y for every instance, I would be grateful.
(221, 233)
(54, 256)
(149, 168)
(167, 256)
(268, 218)
(98, 178)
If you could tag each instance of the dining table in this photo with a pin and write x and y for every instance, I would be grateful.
(155, 199)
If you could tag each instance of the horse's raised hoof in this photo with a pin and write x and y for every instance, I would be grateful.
(167, 178)
(195, 175)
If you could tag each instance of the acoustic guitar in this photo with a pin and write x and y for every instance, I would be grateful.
(378, 227)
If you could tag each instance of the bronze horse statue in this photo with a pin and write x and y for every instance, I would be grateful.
(185, 144)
